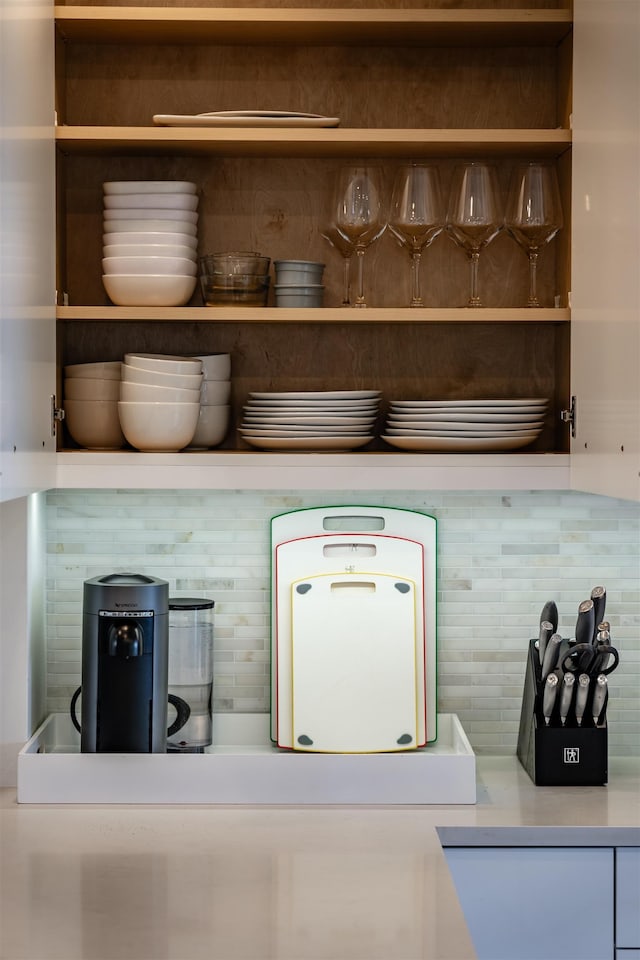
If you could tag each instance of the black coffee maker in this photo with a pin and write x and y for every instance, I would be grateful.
(125, 627)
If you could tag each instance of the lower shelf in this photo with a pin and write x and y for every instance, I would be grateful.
(245, 768)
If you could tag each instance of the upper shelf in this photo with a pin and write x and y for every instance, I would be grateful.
(233, 25)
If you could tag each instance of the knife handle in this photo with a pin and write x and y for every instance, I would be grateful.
(549, 697)
(550, 614)
(599, 701)
(586, 622)
(546, 630)
(551, 655)
(581, 696)
(599, 597)
(566, 696)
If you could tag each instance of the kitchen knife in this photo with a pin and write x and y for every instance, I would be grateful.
(546, 630)
(599, 597)
(604, 634)
(549, 697)
(599, 698)
(566, 696)
(581, 697)
(551, 655)
(586, 622)
(550, 614)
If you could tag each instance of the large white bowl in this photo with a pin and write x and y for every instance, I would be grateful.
(153, 213)
(139, 266)
(94, 424)
(148, 186)
(154, 393)
(158, 201)
(180, 381)
(212, 428)
(214, 392)
(149, 250)
(164, 363)
(150, 290)
(102, 370)
(216, 366)
(85, 388)
(159, 427)
(148, 236)
(154, 226)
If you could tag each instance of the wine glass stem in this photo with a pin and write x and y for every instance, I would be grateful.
(416, 299)
(360, 300)
(346, 294)
(533, 279)
(474, 299)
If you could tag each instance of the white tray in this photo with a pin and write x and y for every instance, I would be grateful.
(244, 767)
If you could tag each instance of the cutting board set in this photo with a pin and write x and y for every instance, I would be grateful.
(353, 631)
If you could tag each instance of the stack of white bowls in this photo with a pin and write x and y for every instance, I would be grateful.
(215, 395)
(91, 392)
(159, 401)
(299, 283)
(150, 241)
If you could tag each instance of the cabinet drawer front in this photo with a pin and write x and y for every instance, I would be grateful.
(628, 899)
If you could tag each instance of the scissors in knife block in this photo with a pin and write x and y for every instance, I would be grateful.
(578, 658)
(602, 665)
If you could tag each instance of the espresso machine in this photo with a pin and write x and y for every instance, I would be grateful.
(124, 666)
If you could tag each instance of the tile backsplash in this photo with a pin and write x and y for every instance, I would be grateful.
(500, 556)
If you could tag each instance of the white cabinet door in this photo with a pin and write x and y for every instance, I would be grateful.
(605, 299)
(628, 897)
(536, 903)
(27, 247)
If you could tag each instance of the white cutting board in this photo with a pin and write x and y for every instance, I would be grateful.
(358, 519)
(353, 656)
(335, 553)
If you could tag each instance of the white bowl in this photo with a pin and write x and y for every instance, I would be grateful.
(157, 201)
(148, 250)
(216, 366)
(139, 266)
(102, 370)
(179, 381)
(164, 363)
(213, 392)
(298, 271)
(212, 428)
(149, 290)
(151, 226)
(94, 424)
(154, 393)
(146, 237)
(152, 213)
(85, 388)
(160, 427)
(148, 186)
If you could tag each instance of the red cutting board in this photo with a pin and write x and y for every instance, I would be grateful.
(353, 663)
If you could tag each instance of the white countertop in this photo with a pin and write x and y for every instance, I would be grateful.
(289, 883)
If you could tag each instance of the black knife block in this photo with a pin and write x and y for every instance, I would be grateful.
(557, 756)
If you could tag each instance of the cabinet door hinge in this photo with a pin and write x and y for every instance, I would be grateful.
(570, 416)
(57, 415)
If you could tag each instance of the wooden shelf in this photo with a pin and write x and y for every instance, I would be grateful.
(325, 315)
(311, 142)
(230, 25)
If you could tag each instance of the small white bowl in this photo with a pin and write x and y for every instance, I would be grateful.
(164, 363)
(149, 290)
(215, 392)
(85, 388)
(145, 237)
(158, 201)
(154, 393)
(111, 187)
(152, 213)
(298, 271)
(143, 266)
(94, 424)
(158, 427)
(148, 250)
(183, 381)
(102, 370)
(212, 428)
(293, 295)
(151, 226)
(216, 366)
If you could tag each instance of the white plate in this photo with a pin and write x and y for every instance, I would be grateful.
(318, 395)
(278, 407)
(464, 417)
(307, 443)
(295, 421)
(470, 404)
(441, 444)
(470, 428)
(204, 120)
(261, 431)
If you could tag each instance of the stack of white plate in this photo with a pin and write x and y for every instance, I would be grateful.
(310, 420)
(150, 241)
(439, 425)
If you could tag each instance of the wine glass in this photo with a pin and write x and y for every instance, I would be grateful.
(417, 215)
(346, 248)
(359, 215)
(474, 217)
(533, 214)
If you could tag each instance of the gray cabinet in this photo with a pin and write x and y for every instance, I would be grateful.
(628, 901)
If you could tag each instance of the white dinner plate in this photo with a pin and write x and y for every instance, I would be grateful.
(441, 444)
(469, 428)
(317, 395)
(435, 417)
(253, 120)
(276, 407)
(307, 443)
(471, 404)
(296, 421)
(259, 429)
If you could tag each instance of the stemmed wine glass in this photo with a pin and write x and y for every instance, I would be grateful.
(417, 215)
(346, 248)
(474, 217)
(358, 214)
(533, 214)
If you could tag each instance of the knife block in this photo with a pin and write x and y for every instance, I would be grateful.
(557, 756)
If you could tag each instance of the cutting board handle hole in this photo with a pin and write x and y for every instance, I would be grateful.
(353, 586)
(353, 524)
(349, 550)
